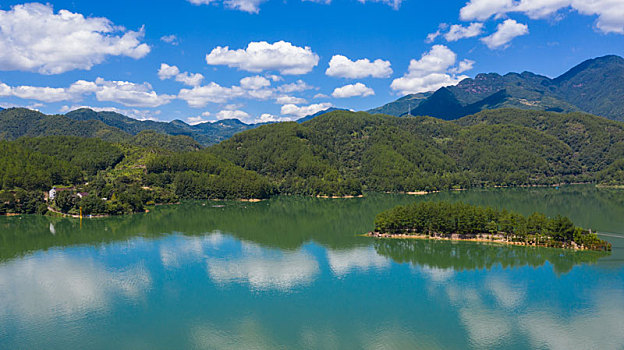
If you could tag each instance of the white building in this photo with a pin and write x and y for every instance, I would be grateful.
(52, 193)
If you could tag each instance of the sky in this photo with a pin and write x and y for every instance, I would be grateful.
(276, 60)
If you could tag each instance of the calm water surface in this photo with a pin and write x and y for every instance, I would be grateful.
(293, 273)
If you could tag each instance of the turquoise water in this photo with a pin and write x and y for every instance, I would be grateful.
(293, 273)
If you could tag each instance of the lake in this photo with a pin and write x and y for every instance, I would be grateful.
(293, 272)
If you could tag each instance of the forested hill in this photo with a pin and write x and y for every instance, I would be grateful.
(340, 153)
(384, 153)
(595, 86)
(21, 122)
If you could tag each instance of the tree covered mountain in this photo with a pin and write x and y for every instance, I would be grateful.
(20, 122)
(340, 151)
(594, 86)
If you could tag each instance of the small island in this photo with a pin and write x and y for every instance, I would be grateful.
(465, 222)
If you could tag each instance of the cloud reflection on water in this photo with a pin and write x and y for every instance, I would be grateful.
(58, 284)
(342, 262)
(515, 315)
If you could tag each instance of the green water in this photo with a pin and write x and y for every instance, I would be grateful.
(293, 272)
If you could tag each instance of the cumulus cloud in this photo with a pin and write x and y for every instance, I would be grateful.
(260, 56)
(254, 83)
(249, 6)
(35, 38)
(435, 69)
(302, 111)
(610, 12)
(232, 114)
(457, 31)
(351, 90)
(130, 94)
(122, 92)
(49, 94)
(505, 33)
(167, 72)
(200, 96)
(341, 66)
(267, 118)
(254, 87)
(286, 99)
(297, 86)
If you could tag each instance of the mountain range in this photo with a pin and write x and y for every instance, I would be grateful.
(595, 86)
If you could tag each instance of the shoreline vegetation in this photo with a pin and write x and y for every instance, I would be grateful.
(464, 222)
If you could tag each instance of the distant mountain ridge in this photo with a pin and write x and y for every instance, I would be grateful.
(116, 127)
(21, 122)
(595, 86)
(205, 133)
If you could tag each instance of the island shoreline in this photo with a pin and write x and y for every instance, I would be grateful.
(479, 238)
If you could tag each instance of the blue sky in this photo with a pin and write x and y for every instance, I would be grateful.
(280, 60)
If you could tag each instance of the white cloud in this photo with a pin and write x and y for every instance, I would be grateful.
(5, 90)
(130, 94)
(199, 96)
(286, 99)
(297, 111)
(249, 6)
(254, 83)
(45, 94)
(203, 118)
(260, 56)
(275, 78)
(505, 33)
(232, 114)
(320, 96)
(122, 92)
(435, 69)
(297, 86)
(484, 9)
(457, 31)
(255, 87)
(49, 94)
(432, 36)
(34, 38)
(463, 66)
(266, 118)
(610, 12)
(352, 90)
(167, 72)
(170, 39)
(341, 66)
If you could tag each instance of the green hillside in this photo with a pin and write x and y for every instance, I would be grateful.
(383, 153)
